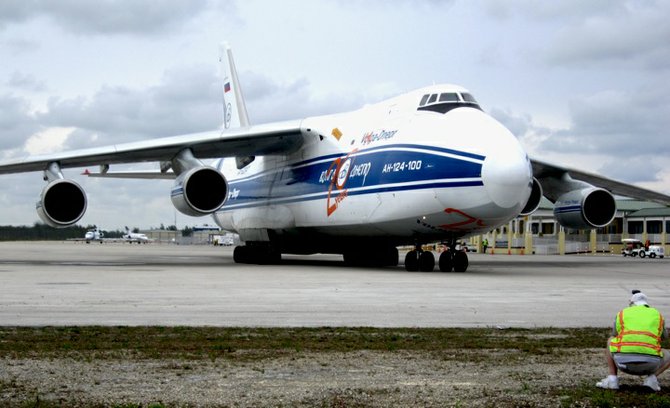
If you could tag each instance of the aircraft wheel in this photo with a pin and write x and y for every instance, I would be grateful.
(268, 256)
(390, 256)
(460, 261)
(412, 261)
(426, 261)
(446, 261)
(374, 257)
(241, 254)
(352, 258)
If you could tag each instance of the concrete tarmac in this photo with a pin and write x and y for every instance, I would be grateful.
(68, 283)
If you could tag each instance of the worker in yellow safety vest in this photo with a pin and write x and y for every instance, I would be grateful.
(635, 347)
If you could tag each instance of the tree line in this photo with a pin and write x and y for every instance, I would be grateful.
(43, 232)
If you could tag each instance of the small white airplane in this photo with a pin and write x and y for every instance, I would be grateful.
(132, 237)
(425, 166)
(94, 235)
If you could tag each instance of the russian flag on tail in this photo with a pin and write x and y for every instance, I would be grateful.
(226, 87)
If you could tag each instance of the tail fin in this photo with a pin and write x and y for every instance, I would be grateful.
(234, 109)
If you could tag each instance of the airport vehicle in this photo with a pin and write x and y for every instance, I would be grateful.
(631, 247)
(634, 247)
(426, 166)
(653, 251)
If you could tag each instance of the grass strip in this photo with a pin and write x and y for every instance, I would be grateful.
(244, 344)
(157, 342)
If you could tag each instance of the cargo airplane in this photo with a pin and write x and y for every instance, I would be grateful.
(426, 166)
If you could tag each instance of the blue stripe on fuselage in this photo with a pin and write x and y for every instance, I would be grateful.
(374, 170)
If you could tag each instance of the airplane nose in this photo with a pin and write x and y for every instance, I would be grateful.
(507, 175)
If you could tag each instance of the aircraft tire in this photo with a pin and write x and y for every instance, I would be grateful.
(446, 261)
(241, 254)
(389, 256)
(352, 258)
(374, 257)
(412, 261)
(267, 256)
(460, 261)
(426, 261)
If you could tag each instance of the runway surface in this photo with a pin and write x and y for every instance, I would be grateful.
(67, 283)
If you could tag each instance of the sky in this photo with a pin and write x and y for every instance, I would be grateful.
(581, 83)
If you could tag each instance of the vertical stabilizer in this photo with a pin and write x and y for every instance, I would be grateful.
(234, 109)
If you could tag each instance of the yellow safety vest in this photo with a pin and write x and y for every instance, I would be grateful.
(639, 330)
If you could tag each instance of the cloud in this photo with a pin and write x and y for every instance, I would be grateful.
(104, 16)
(633, 169)
(632, 36)
(16, 122)
(547, 11)
(522, 126)
(620, 123)
(621, 134)
(595, 34)
(186, 100)
(26, 82)
(271, 101)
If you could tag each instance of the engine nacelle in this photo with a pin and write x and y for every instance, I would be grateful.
(62, 203)
(199, 191)
(586, 208)
(533, 202)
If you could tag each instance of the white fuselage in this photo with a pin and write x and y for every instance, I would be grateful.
(387, 171)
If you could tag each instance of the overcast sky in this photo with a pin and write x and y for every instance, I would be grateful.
(580, 83)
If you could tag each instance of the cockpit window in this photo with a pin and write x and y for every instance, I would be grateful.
(449, 97)
(468, 98)
(446, 101)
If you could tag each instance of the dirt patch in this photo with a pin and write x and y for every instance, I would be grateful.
(360, 378)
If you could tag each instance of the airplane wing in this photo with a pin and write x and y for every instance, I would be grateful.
(142, 174)
(542, 170)
(284, 137)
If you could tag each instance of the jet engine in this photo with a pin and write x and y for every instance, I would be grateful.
(585, 208)
(62, 203)
(199, 191)
(534, 200)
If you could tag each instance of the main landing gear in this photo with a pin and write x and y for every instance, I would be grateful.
(424, 261)
(372, 257)
(256, 254)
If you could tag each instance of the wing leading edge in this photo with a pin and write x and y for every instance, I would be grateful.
(543, 170)
(276, 138)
